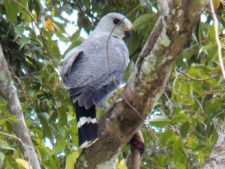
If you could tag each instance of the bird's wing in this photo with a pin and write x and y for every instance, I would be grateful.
(91, 75)
(69, 60)
(98, 90)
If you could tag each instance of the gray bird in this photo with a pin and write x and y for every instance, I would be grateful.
(93, 70)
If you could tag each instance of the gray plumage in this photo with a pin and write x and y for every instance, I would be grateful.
(88, 69)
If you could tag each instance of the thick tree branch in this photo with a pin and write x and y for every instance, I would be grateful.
(146, 84)
(8, 92)
(137, 150)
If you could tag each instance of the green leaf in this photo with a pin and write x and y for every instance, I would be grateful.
(71, 159)
(75, 42)
(184, 129)
(159, 120)
(75, 35)
(178, 150)
(166, 137)
(133, 43)
(11, 10)
(179, 166)
(44, 121)
(24, 10)
(4, 145)
(142, 21)
(181, 117)
(201, 130)
(59, 146)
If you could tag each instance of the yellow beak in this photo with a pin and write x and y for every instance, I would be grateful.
(128, 27)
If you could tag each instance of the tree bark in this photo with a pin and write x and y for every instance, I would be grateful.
(146, 84)
(8, 92)
(137, 150)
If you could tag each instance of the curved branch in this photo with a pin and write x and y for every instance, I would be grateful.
(146, 84)
(8, 92)
(195, 79)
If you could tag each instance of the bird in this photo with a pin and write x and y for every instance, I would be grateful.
(92, 71)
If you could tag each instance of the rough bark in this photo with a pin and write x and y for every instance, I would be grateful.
(137, 150)
(146, 84)
(8, 92)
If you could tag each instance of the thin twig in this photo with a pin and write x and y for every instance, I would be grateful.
(192, 78)
(110, 69)
(213, 91)
(14, 137)
(85, 11)
(216, 27)
(151, 132)
(19, 140)
(187, 95)
(169, 100)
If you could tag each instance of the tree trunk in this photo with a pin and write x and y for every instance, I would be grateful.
(146, 84)
(8, 92)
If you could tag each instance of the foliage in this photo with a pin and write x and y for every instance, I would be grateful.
(183, 119)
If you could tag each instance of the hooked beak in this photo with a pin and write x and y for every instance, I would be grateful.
(127, 29)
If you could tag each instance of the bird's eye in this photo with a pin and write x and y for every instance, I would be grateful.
(116, 21)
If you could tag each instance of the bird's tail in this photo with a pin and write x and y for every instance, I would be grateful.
(86, 124)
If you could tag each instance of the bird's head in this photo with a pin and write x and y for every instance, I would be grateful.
(118, 24)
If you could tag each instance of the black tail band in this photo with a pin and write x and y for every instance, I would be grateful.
(86, 124)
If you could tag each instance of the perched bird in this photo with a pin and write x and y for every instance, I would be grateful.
(92, 71)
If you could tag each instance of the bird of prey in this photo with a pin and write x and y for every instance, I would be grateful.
(92, 71)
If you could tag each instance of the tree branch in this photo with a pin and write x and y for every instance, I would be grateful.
(8, 92)
(137, 150)
(146, 84)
